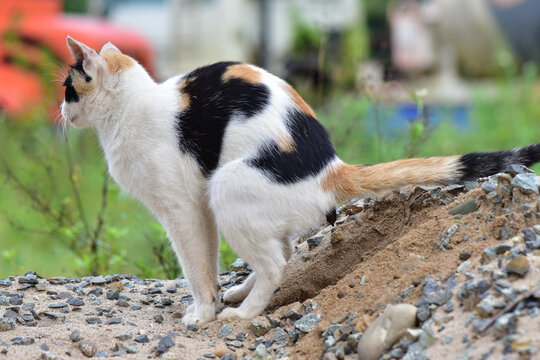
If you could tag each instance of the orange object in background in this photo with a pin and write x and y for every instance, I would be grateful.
(29, 28)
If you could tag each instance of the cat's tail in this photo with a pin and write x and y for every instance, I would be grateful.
(348, 181)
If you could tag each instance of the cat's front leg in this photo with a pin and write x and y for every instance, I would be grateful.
(194, 239)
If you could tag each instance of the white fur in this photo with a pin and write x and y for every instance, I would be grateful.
(135, 121)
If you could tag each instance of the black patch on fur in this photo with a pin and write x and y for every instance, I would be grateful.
(212, 104)
(71, 94)
(331, 216)
(475, 165)
(313, 151)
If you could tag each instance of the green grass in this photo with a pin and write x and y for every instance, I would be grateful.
(131, 241)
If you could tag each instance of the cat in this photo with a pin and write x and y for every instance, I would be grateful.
(232, 147)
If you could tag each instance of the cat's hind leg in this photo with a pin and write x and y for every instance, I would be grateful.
(253, 219)
(239, 292)
(268, 263)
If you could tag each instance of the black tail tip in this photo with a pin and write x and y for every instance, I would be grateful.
(475, 165)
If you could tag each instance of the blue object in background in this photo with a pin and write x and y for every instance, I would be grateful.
(392, 120)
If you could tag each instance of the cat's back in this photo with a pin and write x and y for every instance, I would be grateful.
(229, 110)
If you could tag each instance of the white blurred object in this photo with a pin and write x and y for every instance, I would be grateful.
(411, 37)
(191, 33)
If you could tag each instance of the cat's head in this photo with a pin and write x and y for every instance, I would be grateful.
(91, 81)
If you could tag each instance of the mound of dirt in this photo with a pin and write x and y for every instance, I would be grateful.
(467, 256)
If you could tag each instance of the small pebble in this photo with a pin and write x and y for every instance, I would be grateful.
(518, 265)
(142, 339)
(88, 347)
(75, 335)
(307, 322)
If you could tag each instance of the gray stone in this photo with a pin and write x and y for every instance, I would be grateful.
(5, 282)
(93, 320)
(467, 207)
(238, 265)
(397, 353)
(329, 342)
(515, 169)
(97, 280)
(488, 186)
(386, 330)
(131, 348)
(75, 335)
(314, 241)
(88, 347)
(307, 322)
(526, 182)
(502, 248)
(22, 341)
(193, 327)
(114, 320)
(73, 301)
(488, 254)
(464, 266)
(4, 300)
(142, 339)
(532, 240)
(30, 279)
(331, 330)
(260, 352)
(125, 335)
(181, 283)
(7, 324)
(165, 343)
(225, 331)
(260, 328)
(48, 355)
(235, 343)
(280, 335)
(482, 286)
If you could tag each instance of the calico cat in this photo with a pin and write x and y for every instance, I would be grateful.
(231, 147)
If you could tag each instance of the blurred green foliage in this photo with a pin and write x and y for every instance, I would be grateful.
(75, 6)
(61, 214)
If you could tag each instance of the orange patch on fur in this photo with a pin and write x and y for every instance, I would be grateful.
(299, 102)
(185, 98)
(242, 72)
(286, 144)
(185, 101)
(117, 62)
(347, 181)
(81, 86)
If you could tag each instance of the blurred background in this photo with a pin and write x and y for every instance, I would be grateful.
(389, 79)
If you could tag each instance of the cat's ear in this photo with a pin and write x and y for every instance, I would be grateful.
(91, 60)
(109, 48)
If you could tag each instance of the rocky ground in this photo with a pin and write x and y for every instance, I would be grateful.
(467, 258)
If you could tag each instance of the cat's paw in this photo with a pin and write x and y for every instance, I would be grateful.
(235, 294)
(199, 315)
(231, 313)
